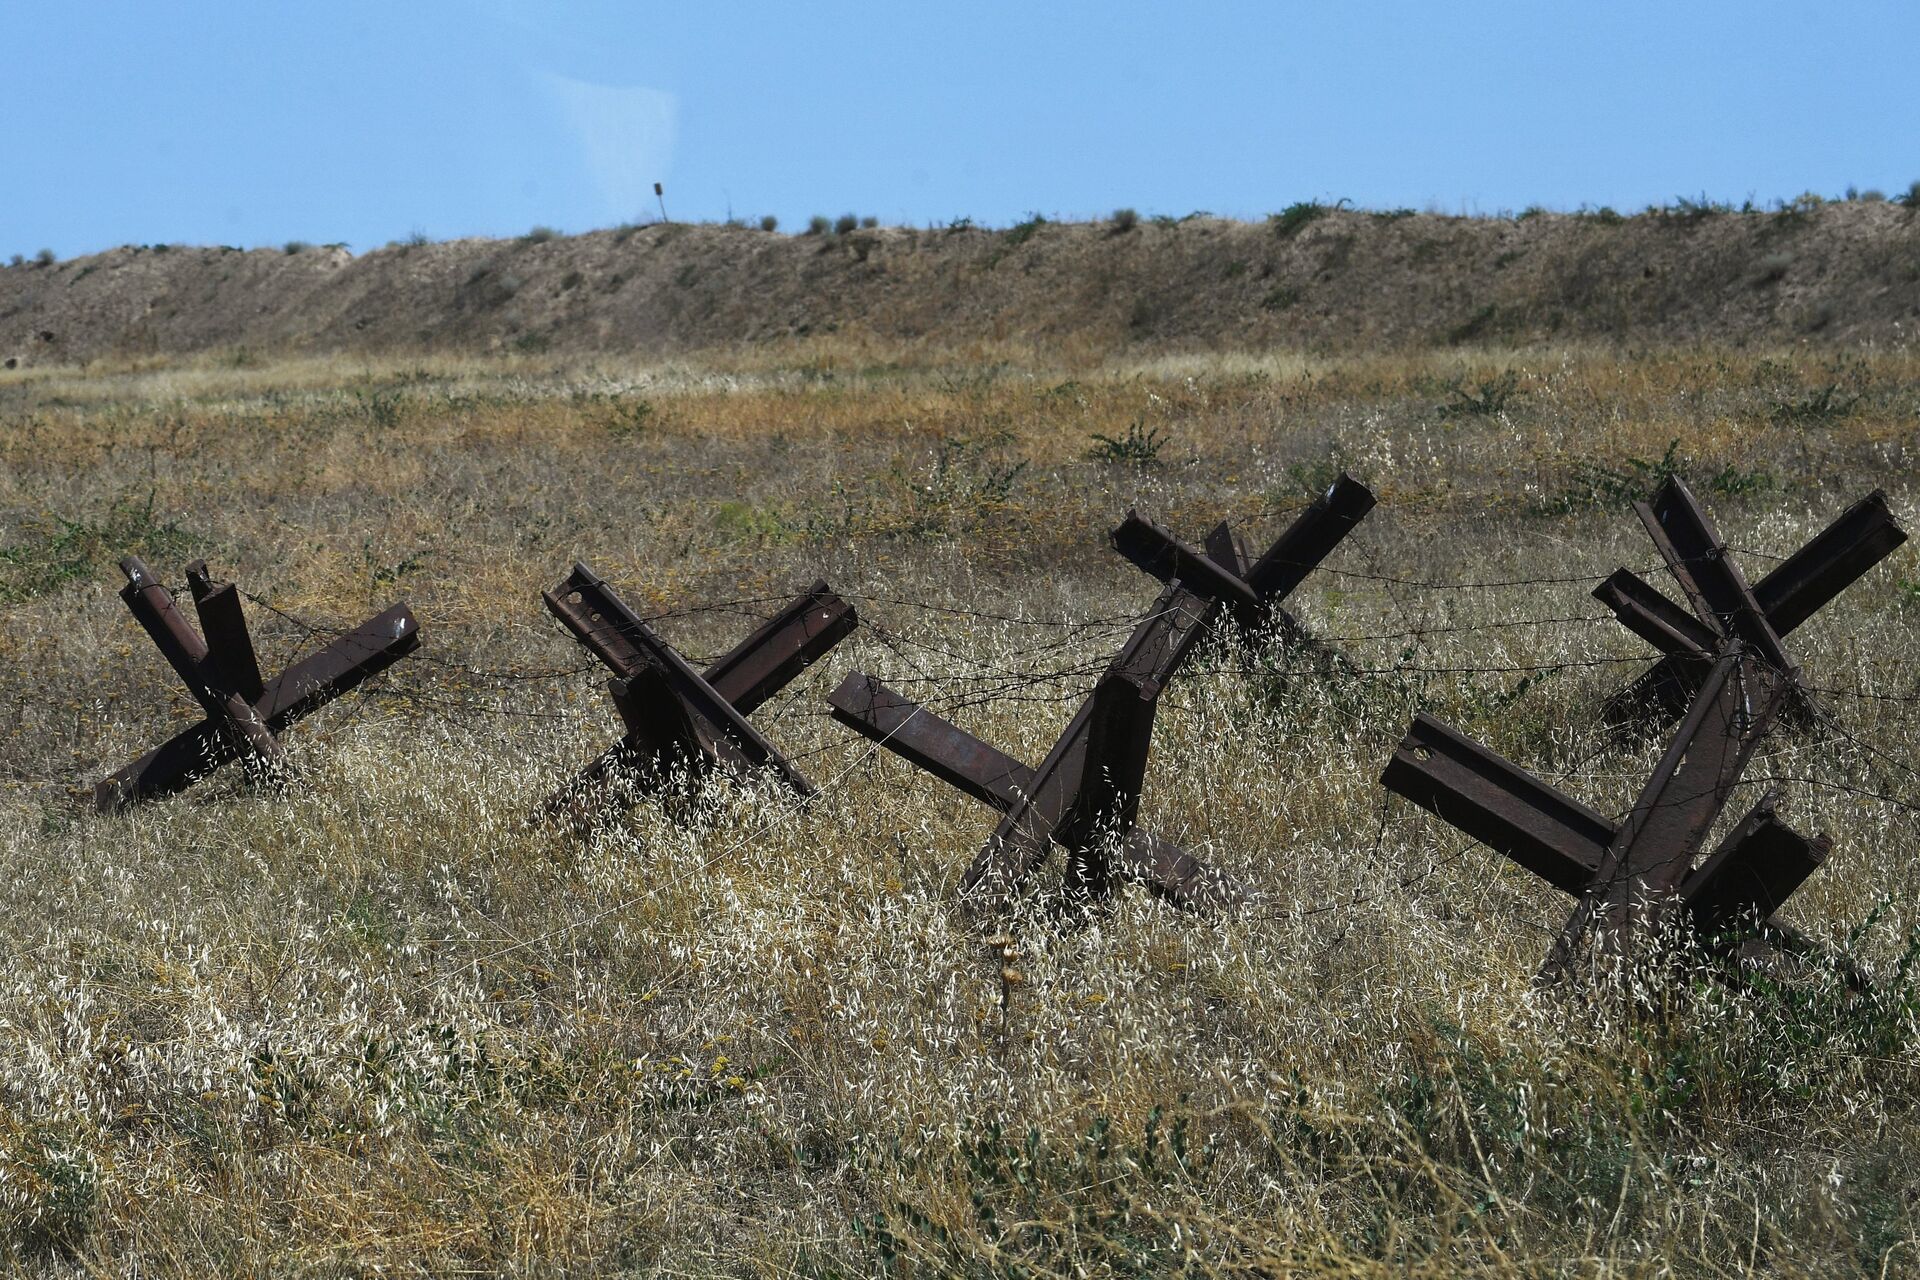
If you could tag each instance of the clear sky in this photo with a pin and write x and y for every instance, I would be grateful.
(215, 122)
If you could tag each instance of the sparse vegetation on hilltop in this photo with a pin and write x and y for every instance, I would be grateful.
(1315, 276)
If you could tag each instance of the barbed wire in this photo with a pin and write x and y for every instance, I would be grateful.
(968, 681)
(988, 685)
(1433, 584)
(971, 663)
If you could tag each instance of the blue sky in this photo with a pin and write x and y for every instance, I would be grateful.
(202, 121)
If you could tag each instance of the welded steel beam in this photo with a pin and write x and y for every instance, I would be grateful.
(244, 713)
(1627, 877)
(1085, 794)
(1163, 556)
(1653, 851)
(1802, 584)
(1080, 787)
(948, 752)
(1641, 609)
(1252, 591)
(1760, 614)
(1309, 539)
(1700, 562)
(674, 715)
(1499, 804)
(1752, 872)
(925, 740)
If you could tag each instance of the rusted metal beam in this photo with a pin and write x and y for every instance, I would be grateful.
(1626, 877)
(1065, 792)
(662, 731)
(230, 712)
(1802, 584)
(956, 757)
(1164, 556)
(777, 651)
(599, 619)
(1635, 885)
(1499, 804)
(153, 607)
(1797, 588)
(231, 659)
(1663, 624)
(244, 713)
(1314, 533)
(1252, 591)
(310, 684)
(1159, 646)
(1119, 739)
(1228, 550)
(674, 714)
(1752, 872)
(924, 739)
(704, 702)
(1707, 572)
(1085, 794)
(342, 665)
(303, 688)
(762, 664)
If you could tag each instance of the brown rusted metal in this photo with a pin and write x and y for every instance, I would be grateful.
(1760, 614)
(924, 739)
(1707, 572)
(1252, 591)
(233, 663)
(346, 663)
(1642, 610)
(1752, 872)
(679, 718)
(1085, 794)
(1166, 557)
(1627, 877)
(205, 673)
(1228, 550)
(244, 713)
(599, 619)
(781, 648)
(1802, 584)
(956, 757)
(1499, 804)
(1077, 791)
(1633, 889)
(1307, 541)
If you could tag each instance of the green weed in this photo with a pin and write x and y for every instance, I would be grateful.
(1484, 398)
(1140, 447)
(55, 550)
(1295, 218)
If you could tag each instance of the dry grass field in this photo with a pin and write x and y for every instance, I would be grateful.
(383, 1025)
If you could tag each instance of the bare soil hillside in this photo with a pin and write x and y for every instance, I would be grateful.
(1331, 281)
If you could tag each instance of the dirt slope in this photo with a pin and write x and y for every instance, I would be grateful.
(1837, 273)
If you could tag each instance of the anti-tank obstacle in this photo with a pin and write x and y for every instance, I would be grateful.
(1726, 676)
(1085, 795)
(679, 719)
(1632, 877)
(1724, 604)
(244, 712)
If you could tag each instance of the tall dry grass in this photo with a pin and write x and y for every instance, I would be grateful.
(382, 1025)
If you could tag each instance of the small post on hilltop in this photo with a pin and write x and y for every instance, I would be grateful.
(660, 194)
